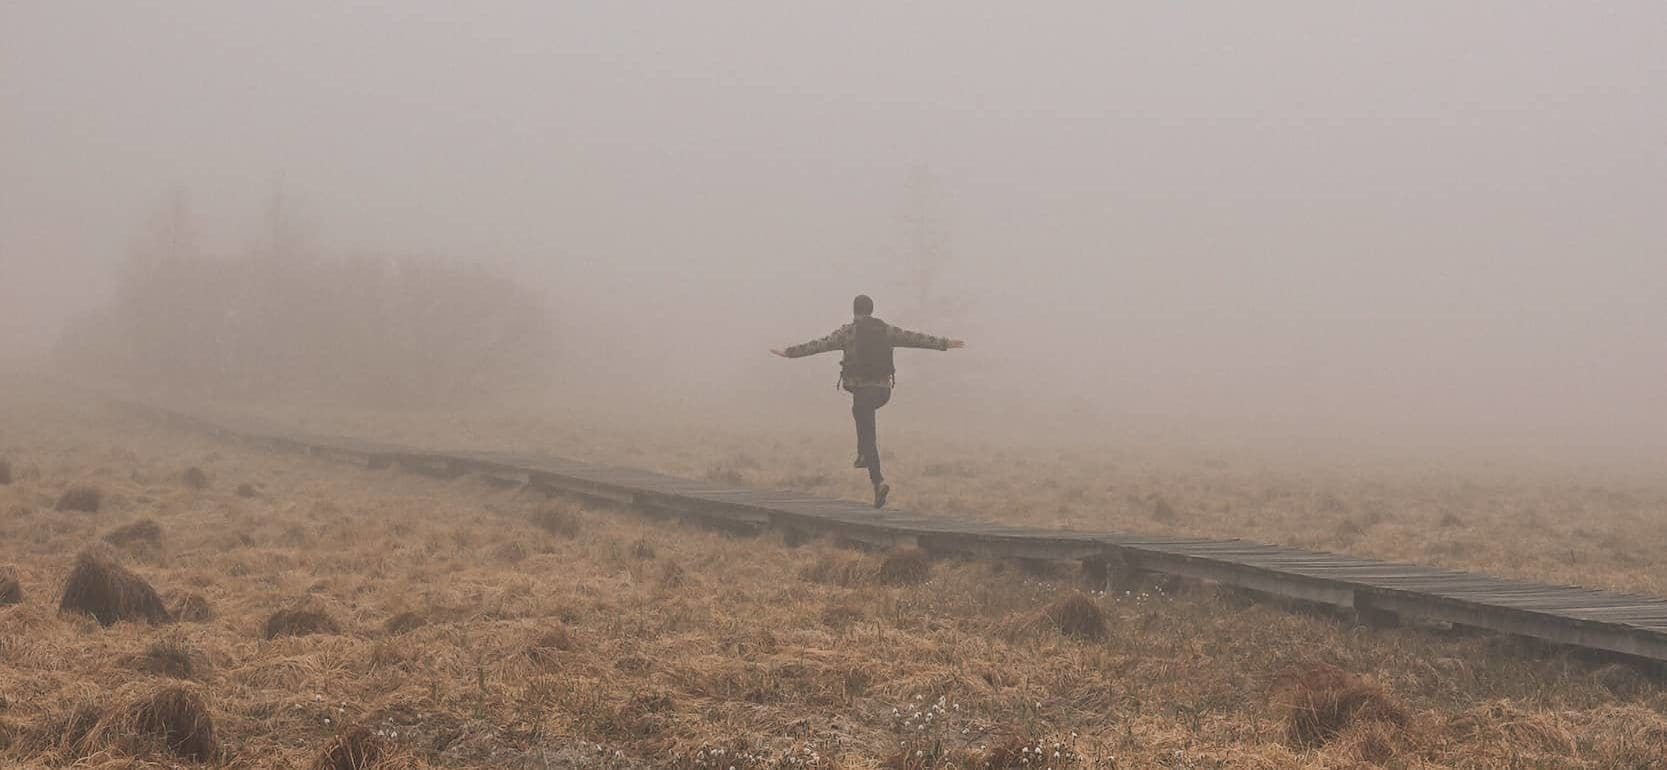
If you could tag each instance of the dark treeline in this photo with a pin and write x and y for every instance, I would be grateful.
(282, 320)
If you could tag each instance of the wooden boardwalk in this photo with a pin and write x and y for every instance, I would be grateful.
(1381, 591)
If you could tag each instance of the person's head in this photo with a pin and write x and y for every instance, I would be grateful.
(862, 306)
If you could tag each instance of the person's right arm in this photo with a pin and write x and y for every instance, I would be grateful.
(834, 341)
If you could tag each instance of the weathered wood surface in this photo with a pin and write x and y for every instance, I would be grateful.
(1601, 620)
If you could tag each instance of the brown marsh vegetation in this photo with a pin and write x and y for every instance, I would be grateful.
(1548, 520)
(348, 618)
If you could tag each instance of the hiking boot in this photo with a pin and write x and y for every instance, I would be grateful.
(862, 462)
(880, 491)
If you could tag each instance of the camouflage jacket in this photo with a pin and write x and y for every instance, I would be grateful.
(841, 338)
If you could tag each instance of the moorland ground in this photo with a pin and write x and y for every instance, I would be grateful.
(1565, 518)
(329, 615)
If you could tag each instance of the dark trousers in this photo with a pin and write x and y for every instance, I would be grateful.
(864, 402)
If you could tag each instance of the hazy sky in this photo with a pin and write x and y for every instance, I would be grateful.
(1450, 216)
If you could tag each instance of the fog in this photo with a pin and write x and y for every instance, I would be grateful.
(1425, 224)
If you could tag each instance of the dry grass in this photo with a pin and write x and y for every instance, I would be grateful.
(559, 520)
(80, 497)
(1318, 701)
(840, 569)
(1162, 511)
(66, 734)
(672, 574)
(1568, 524)
(357, 748)
(5, 471)
(11, 589)
(906, 566)
(110, 593)
(178, 716)
(1025, 752)
(194, 478)
(1076, 615)
(143, 533)
(175, 657)
(512, 552)
(549, 644)
(299, 621)
(164, 722)
(842, 614)
(405, 622)
(193, 608)
(723, 651)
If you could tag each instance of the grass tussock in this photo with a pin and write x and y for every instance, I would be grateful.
(247, 490)
(839, 568)
(80, 497)
(1077, 616)
(11, 589)
(302, 620)
(193, 608)
(642, 549)
(906, 566)
(178, 716)
(641, 716)
(548, 646)
(144, 533)
(1318, 701)
(900, 567)
(1622, 680)
(1504, 723)
(1375, 743)
(100, 587)
(358, 748)
(405, 622)
(842, 614)
(64, 736)
(171, 719)
(195, 478)
(562, 521)
(5, 471)
(511, 552)
(672, 574)
(174, 657)
(1162, 511)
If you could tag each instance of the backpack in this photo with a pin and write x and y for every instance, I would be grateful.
(869, 355)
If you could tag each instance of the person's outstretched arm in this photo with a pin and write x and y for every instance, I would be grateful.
(903, 338)
(835, 341)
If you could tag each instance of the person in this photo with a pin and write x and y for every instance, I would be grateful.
(867, 371)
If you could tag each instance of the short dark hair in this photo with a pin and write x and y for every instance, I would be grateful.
(862, 305)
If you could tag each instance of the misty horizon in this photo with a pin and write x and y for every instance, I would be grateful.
(1416, 223)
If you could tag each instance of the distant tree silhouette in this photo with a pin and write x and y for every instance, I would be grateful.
(283, 320)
